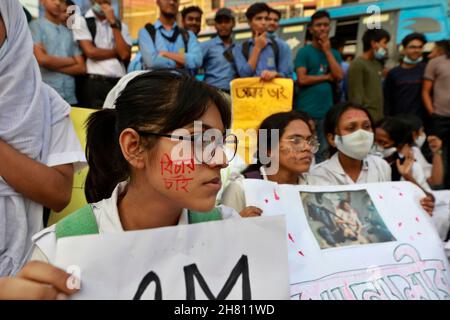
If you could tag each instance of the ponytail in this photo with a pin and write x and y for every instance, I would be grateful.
(107, 166)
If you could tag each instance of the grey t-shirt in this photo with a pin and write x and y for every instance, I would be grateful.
(438, 71)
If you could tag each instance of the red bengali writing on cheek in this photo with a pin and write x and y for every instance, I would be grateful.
(174, 172)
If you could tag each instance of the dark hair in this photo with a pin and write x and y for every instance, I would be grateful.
(414, 36)
(319, 15)
(398, 129)
(374, 35)
(159, 101)
(341, 204)
(337, 43)
(190, 9)
(278, 121)
(412, 120)
(255, 9)
(277, 12)
(445, 46)
(69, 3)
(333, 116)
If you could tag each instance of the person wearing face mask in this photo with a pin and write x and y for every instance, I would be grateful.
(434, 171)
(294, 154)
(350, 133)
(394, 138)
(403, 84)
(365, 73)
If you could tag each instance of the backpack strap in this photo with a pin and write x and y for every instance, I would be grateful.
(92, 27)
(246, 49)
(275, 48)
(151, 31)
(276, 51)
(81, 222)
(197, 217)
(185, 35)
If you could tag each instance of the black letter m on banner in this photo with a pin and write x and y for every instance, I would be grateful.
(241, 267)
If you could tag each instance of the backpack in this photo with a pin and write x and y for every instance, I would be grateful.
(83, 221)
(92, 27)
(228, 54)
(137, 63)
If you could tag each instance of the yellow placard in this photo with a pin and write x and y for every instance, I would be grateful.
(79, 117)
(254, 100)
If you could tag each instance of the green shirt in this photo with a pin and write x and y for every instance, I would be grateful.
(316, 99)
(365, 85)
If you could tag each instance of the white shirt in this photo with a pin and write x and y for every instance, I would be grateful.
(330, 172)
(65, 148)
(421, 161)
(104, 39)
(234, 195)
(108, 221)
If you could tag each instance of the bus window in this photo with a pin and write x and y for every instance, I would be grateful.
(294, 35)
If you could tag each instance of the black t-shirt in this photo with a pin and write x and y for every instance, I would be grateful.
(403, 91)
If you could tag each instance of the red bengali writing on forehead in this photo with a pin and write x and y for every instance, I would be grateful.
(173, 172)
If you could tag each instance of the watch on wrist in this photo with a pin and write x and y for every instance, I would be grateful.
(439, 152)
(115, 25)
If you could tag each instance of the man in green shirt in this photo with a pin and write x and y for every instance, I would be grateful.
(365, 73)
(318, 65)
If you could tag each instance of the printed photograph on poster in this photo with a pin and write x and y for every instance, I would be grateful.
(340, 219)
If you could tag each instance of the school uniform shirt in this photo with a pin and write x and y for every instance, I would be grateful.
(219, 72)
(422, 162)
(65, 148)
(150, 51)
(58, 41)
(108, 221)
(104, 39)
(330, 172)
(266, 59)
(234, 195)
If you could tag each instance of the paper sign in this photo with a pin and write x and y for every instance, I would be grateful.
(254, 100)
(229, 259)
(357, 242)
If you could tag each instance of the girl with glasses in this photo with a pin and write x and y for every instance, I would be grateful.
(136, 181)
(294, 153)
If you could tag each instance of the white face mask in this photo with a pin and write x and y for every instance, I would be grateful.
(385, 153)
(356, 145)
(4, 49)
(420, 140)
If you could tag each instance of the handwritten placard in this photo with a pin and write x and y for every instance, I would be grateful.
(254, 100)
(229, 259)
(357, 242)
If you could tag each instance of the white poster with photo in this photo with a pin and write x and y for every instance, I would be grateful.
(358, 242)
(230, 259)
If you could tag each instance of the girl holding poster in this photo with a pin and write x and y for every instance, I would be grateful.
(349, 130)
(350, 133)
(135, 179)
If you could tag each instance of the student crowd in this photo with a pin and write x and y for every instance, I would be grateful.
(352, 123)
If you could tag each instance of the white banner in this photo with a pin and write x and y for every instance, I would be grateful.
(357, 242)
(230, 259)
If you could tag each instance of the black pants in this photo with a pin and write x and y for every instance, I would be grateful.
(93, 90)
(440, 126)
